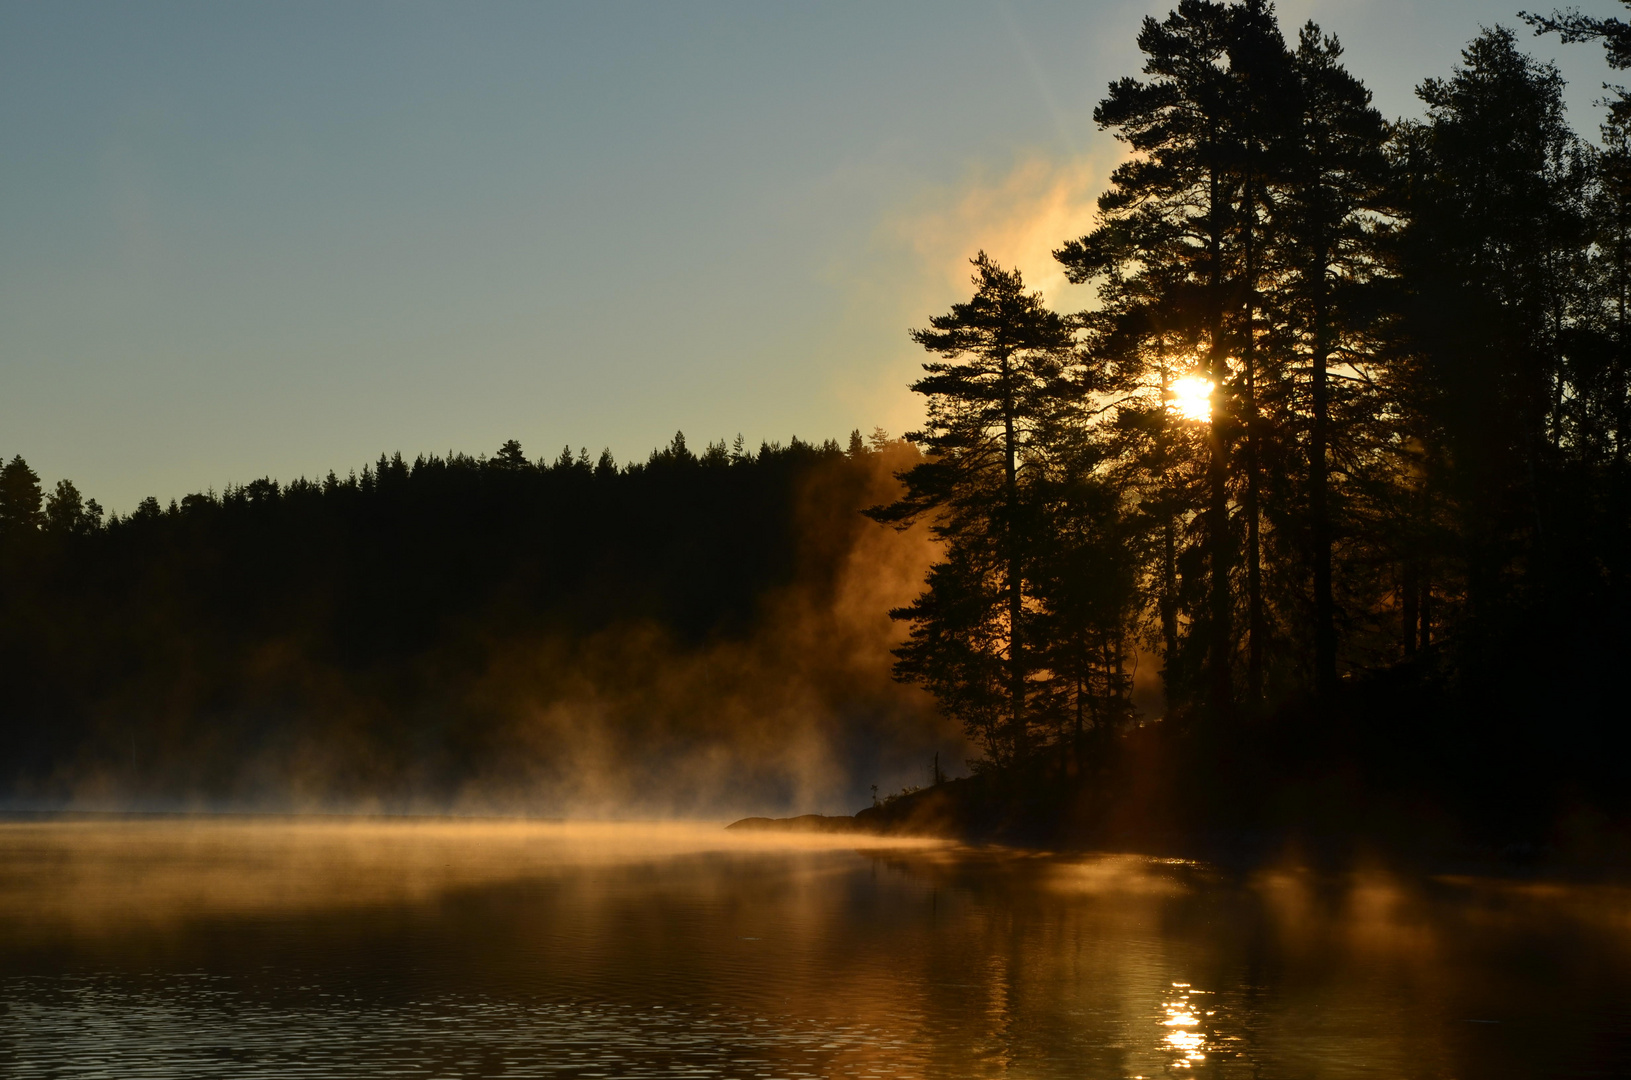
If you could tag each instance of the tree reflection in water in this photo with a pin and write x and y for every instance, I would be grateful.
(250, 947)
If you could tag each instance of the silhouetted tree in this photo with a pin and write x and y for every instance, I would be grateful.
(1615, 34)
(20, 498)
(1180, 254)
(1493, 242)
(67, 512)
(1336, 173)
(1085, 568)
(509, 456)
(1004, 357)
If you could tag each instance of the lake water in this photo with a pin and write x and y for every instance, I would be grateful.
(319, 948)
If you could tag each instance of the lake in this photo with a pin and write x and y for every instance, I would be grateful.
(267, 947)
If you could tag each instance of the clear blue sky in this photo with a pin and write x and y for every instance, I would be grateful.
(249, 239)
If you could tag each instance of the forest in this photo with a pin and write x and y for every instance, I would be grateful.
(695, 633)
(1339, 449)
(1341, 446)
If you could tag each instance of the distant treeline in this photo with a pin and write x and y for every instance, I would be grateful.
(382, 622)
(1352, 412)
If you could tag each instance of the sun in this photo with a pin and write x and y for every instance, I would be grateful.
(1191, 398)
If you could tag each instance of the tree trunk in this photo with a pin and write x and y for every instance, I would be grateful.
(1256, 630)
(1169, 570)
(1621, 286)
(1019, 739)
(1076, 743)
(1325, 635)
(1221, 636)
(1410, 603)
(1169, 604)
(1426, 609)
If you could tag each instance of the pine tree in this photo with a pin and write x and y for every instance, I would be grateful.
(1604, 412)
(1335, 174)
(20, 498)
(1492, 254)
(1164, 250)
(1004, 355)
(1085, 570)
(1615, 34)
(509, 456)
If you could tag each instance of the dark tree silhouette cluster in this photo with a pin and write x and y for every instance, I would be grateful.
(371, 611)
(1341, 446)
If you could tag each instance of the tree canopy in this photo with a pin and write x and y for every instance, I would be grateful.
(1409, 467)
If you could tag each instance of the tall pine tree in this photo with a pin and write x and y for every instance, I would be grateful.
(1003, 360)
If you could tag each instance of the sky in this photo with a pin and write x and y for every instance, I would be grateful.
(241, 240)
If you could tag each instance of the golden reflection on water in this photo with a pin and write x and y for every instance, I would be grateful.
(267, 947)
(105, 873)
(1187, 1040)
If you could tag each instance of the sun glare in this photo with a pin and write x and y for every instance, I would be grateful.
(1191, 398)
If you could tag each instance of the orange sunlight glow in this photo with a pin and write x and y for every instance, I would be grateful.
(1191, 398)
(1189, 1045)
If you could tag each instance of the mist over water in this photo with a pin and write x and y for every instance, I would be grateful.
(277, 947)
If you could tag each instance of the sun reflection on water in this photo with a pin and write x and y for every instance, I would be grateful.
(270, 948)
(1181, 1016)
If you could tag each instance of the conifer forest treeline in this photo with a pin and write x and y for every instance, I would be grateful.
(694, 633)
(1339, 449)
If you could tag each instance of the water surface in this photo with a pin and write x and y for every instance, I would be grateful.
(318, 948)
